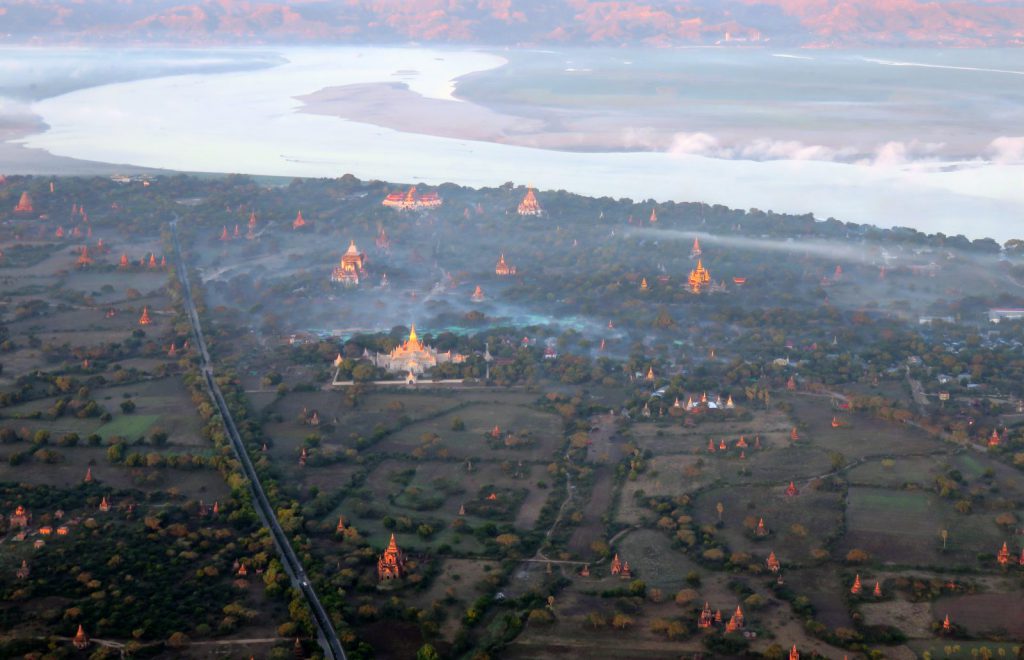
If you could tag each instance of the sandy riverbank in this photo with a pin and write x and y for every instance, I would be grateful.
(395, 106)
(16, 158)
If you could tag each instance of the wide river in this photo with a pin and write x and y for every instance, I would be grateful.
(248, 121)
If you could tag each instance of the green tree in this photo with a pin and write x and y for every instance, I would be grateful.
(427, 652)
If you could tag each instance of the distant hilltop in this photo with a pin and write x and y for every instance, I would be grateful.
(785, 23)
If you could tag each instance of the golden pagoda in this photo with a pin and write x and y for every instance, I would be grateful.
(855, 589)
(59, 233)
(415, 357)
(478, 294)
(695, 251)
(224, 236)
(299, 221)
(529, 205)
(350, 267)
(643, 284)
(699, 277)
(654, 216)
(144, 319)
(773, 562)
(503, 268)
(251, 233)
(391, 564)
(152, 261)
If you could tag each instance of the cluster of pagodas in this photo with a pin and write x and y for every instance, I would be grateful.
(708, 619)
(74, 232)
(250, 233)
(1004, 556)
(148, 262)
(857, 588)
(621, 568)
(704, 402)
(742, 445)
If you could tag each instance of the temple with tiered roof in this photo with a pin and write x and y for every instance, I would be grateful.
(351, 266)
(699, 277)
(412, 200)
(413, 356)
(529, 205)
(503, 268)
(391, 564)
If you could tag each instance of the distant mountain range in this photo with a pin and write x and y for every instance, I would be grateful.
(793, 23)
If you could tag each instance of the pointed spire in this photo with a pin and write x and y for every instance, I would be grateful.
(856, 588)
(123, 264)
(877, 592)
(1004, 555)
(80, 640)
(24, 204)
(88, 475)
(144, 319)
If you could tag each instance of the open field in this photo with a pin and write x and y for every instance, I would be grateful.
(985, 614)
(653, 559)
(796, 525)
(902, 527)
